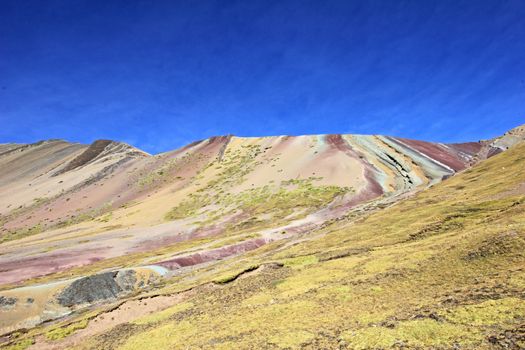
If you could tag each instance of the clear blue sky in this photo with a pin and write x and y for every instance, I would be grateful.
(159, 74)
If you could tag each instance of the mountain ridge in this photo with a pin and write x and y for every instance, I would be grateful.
(516, 131)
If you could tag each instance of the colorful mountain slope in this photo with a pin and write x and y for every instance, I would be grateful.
(91, 197)
(312, 203)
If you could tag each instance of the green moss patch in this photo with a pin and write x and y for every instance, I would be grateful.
(412, 334)
(20, 345)
(490, 312)
(301, 261)
(62, 332)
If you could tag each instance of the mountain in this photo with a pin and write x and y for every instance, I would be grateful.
(325, 241)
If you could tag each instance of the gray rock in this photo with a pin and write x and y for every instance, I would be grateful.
(126, 279)
(90, 289)
(7, 302)
(99, 287)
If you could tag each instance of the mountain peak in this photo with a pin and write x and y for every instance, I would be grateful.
(103, 149)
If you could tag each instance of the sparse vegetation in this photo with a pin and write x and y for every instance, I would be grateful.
(21, 233)
(281, 201)
(62, 332)
(20, 345)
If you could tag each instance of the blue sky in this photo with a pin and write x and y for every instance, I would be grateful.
(162, 74)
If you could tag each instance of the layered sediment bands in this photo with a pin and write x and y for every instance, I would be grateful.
(395, 166)
(392, 170)
(432, 169)
(16, 269)
(372, 189)
(441, 154)
(211, 255)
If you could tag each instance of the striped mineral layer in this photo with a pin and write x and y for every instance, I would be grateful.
(76, 219)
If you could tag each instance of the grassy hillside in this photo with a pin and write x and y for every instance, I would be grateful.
(444, 269)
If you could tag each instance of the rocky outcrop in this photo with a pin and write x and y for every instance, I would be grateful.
(7, 302)
(501, 143)
(100, 287)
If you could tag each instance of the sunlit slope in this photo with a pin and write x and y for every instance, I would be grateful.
(51, 183)
(444, 269)
(312, 241)
(93, 205)
(55, 183)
